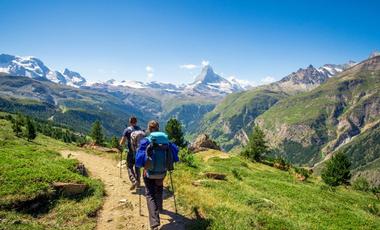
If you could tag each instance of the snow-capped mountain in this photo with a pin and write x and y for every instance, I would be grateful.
(208, 80)
(34, 68)
(310, 77)
(331, 69)
(73, 78)
(207, 83)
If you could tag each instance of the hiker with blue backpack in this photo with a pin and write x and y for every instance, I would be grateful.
(132, 135)
(156, 154)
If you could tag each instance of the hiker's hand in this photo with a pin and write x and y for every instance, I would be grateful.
(120, 148)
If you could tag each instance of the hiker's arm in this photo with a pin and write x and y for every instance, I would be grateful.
(123, 140)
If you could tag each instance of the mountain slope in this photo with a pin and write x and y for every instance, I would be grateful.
(36, 69)
(307, 127)
(233, 118)
(77, 108)
(256, 196)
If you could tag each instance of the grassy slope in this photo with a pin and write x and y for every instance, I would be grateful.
(237, 111)
(267, 198)
(26, 171)
(340, 97)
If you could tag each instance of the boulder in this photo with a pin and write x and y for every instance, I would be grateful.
(69, 189)
(81, 169)
(216, 176)
(203, 142)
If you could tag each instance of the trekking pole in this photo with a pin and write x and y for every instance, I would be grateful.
(139, 189)
(171, 182)
(140, 201)
(121, 161)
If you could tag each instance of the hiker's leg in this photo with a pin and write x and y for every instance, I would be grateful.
(154, 218)
(138, 174)
(130, 164)
(159, 187)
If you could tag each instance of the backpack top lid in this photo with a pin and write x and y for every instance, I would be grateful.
(136, 136)
(158, 138)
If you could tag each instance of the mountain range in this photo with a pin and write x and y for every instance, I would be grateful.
(206, 83)
(307, 116)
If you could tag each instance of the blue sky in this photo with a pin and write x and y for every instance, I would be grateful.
(136, 40)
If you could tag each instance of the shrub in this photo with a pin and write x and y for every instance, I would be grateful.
(114, 143)
(301, 173)
(186, 157)
(280, 163)
(337, 170)
(361, 184)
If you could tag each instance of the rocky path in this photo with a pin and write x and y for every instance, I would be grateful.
(121, 206)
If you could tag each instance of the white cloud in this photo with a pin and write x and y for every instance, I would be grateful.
(205, 62)
(267, 80)
(188, 66)
(149, 68)
(149, 72)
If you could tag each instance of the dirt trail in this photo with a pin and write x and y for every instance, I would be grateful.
(122, 215)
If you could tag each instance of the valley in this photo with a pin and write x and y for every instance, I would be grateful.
(306, 116)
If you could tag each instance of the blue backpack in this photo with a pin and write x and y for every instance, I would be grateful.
(161, 155)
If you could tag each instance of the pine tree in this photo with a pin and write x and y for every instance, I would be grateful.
(174, 130)
(97, 133)
(256, 146)
(337, 170)
(30, 130)
(114, 142)
(16, 126)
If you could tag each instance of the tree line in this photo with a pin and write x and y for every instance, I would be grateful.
(28, 127)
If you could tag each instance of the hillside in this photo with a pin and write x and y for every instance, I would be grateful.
(232, 119)
(308, 127)
(76, 108)
(256, 196)
(252, 196)
(27, 197)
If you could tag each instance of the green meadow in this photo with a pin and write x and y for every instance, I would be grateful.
(257, 196)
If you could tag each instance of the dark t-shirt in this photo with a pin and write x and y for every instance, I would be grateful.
(127, 133)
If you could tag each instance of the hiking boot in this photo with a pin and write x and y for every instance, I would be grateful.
(154, 228)
(133, 186)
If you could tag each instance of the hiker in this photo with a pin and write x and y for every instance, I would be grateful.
(157, 155)
(132, 135)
